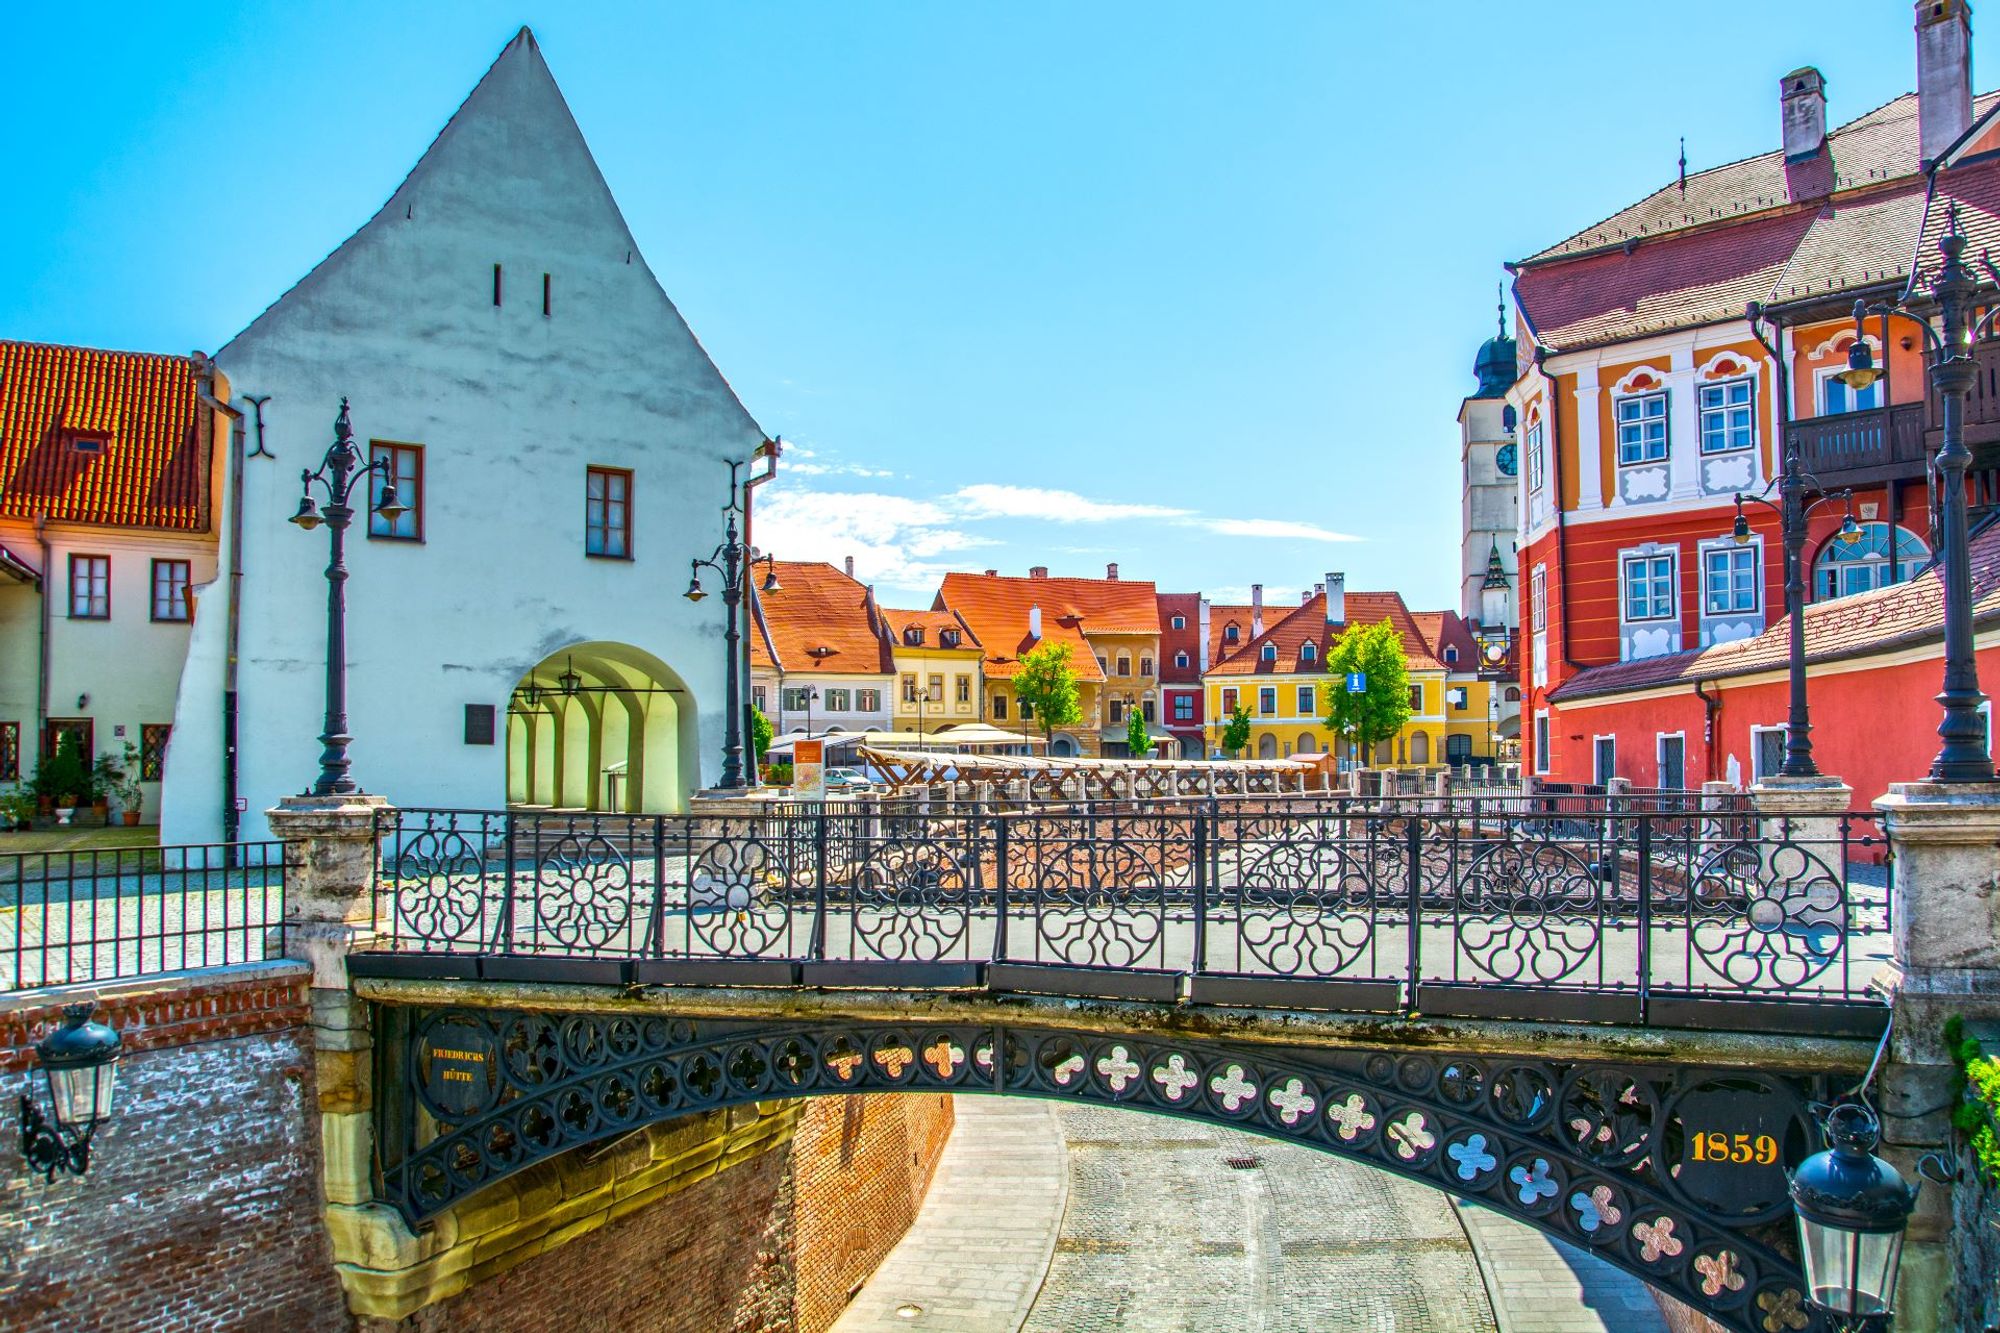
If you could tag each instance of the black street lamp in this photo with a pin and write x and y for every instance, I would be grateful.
(731, 563)
(80, 1065)
(1852, 1210)
(337, 477)
(1963, 756)
(1792, 507)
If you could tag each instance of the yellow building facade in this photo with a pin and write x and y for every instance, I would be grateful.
(938, 678)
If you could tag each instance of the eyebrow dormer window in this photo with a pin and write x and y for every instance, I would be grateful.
(88, 444)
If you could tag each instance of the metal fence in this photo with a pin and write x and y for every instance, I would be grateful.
(1559, 907)
(80, 916)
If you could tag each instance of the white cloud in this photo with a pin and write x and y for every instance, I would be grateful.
(990, 501)
(1280, 528)
(894, 540)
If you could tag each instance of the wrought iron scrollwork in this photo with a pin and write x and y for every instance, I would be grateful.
(1767, 915)
(1529, 912)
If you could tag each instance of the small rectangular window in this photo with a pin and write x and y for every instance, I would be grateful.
(1539, 597)
(868, 701)
(1183, 708)
(1308, 700)
(607, 513)
(479, 724)
(1604, 760)
(1267, 700)
(170, 590)
(934, 690)
(1538, 462)
(909, 689)
(90, 588)
(1228, 701)
(10, 751)
(153, 737)
(1649, 587)
(1416, 698)
(1146, 709)
(1000, 706)
(496, 284)
(1541, 742)
(404, 463)
(964, 694)
(837, 701)
(1727, 416)
(1642, 429)
(757, 698)
(1767, 751)
(546, 294)
(1729, 580)
(1673, 763)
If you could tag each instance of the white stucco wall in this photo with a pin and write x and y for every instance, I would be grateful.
(510, 406)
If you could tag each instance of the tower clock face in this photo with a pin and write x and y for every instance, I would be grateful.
(1505, 459)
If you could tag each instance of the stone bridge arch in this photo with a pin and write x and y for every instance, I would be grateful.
(1572, 1147)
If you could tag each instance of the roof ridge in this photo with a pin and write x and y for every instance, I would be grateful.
(187, 357)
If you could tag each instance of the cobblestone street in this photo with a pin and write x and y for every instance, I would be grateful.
(1165, 1225)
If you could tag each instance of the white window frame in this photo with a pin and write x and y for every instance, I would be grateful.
(1308, 652)
(1267, 693)
(1626, 560)
(1307, 701)
(1543, 732)
(1757, 748)
(1534, 442)
(1597, 778)
(1180, 622)
(1755, 551)
(1644, 445)
(1660, 739)
(1538, 591)
(1180, 661)
(1269, 652)
(1725, 409)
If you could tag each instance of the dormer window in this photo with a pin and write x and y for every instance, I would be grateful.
(914, 635)
(1229, 634)
(1270, 652)
(1308, 653)
(88, 444)
(1180, 622)
(1451, 654)
(948, 638)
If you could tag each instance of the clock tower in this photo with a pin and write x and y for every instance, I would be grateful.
(1489, 467)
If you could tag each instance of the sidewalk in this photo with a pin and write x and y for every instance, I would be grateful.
(1540, 1286)
(974, 1259)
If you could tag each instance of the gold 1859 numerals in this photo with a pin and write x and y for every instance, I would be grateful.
(1743, 1149)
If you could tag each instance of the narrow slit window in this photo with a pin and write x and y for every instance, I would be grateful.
(496, 284)
(546, 295)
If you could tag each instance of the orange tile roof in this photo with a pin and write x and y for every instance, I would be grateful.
(1889, 618)
(1447, 629)
(151, 472)
(821, 621)
(1307, 624)
(995, 609)
(1219, 616)
(932, 623)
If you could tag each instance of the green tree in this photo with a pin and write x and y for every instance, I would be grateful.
(1046, 682)
(1138, 739)
(1237, 734)
(761, 731)
(1379, 712)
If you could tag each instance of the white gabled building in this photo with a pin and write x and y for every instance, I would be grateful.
(565, 445)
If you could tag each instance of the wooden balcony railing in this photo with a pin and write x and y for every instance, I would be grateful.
(1858, 447)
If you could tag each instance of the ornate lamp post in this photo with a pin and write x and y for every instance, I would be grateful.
(1793, 509)
(337, 478)
(731, 563)
(1852, 1210)
(80, 1063)
(1963, 756)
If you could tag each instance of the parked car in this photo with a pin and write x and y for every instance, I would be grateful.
(847, 779)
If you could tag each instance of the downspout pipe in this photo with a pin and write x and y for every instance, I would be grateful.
(1711, 708)
(42, 655)
(232, 824)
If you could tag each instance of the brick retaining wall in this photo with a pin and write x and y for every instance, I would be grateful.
(201, 1208)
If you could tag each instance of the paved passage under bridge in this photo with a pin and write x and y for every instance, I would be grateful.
(1070, 1218)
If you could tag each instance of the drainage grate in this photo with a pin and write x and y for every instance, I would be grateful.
(1245, 1162)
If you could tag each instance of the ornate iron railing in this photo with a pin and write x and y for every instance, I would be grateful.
(1575, 907)
(79, 916)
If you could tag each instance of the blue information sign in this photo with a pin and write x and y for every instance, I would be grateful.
(1357, 682)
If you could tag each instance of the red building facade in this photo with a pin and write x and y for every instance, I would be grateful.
(1183, 657)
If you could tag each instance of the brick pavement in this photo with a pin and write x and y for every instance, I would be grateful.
(1540, 1285)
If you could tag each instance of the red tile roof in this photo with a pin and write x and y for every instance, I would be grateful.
(1870, 622)
(1307, 624)
(1220, 614)
(932, 623)
(151, 471)
(1684, 259)
(1186, 605)
(996, 609)
(1447, 629)
(819, 620)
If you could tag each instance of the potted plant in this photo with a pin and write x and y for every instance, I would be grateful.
(18, 806)
(131, 800)
(64, 777)
(104, 777)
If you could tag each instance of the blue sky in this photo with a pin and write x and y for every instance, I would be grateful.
(1194, 288)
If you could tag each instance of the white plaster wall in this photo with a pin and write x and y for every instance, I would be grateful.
(510, 406)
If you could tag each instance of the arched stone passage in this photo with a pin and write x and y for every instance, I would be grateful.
(601, 727)
(1565, 1146)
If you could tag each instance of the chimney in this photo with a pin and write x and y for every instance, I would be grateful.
(1802, 109)
(1038, 572)
(992, 573)
(1336, 599)
(1111, 571)
(1035, 623)
(1256, 609)
(1944, 74)
(850, 566)
(1305, 596)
